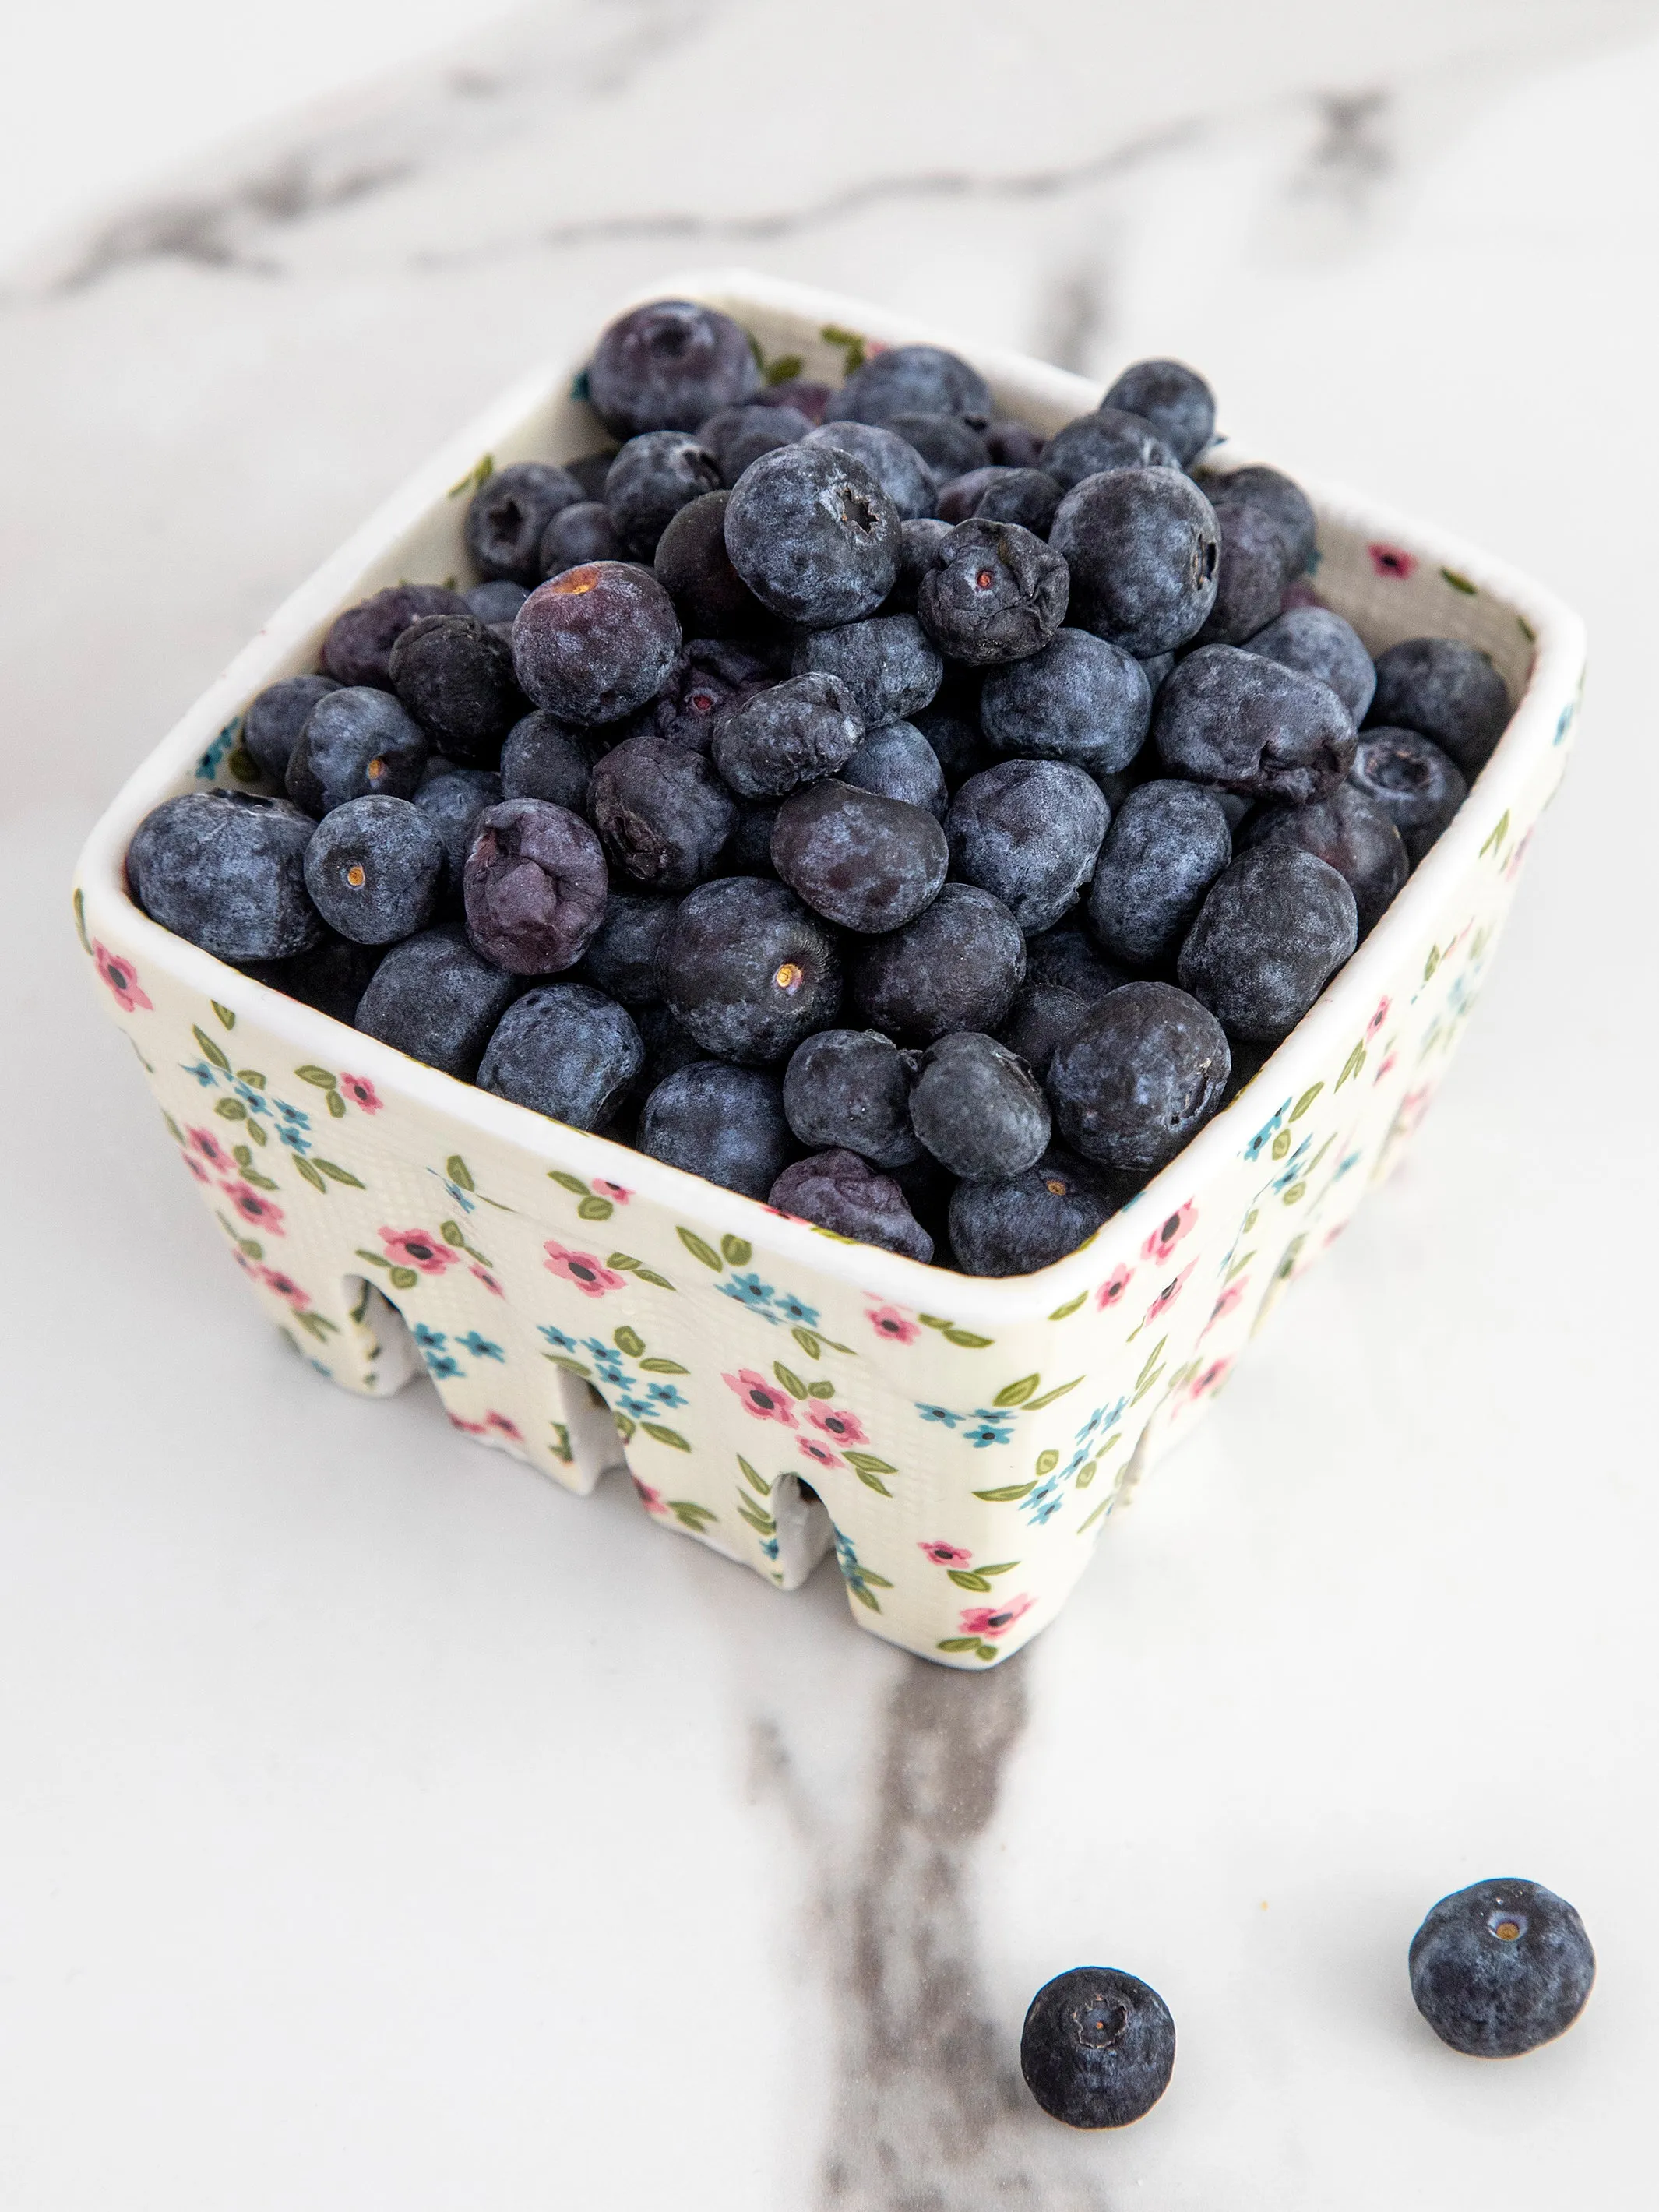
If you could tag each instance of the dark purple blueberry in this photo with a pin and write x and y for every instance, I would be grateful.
(664, 814)
(669, 366)
(1272, 932)
(596, 643)
(1446, 690)
(331, 977)
(956, 967)
(842, 1193)
(1501, 1967)
(1354, 833)
(749, 970)
(1027, 831)
(888, 663)
(894, 463)
(227, 870)
(1173, 398)
(668, 1047)
(621, 959)
(737, 435)
(1251, 579)
(564, 1050)
(1027, 497)
(708, 675)
(693, 566)
(898, 762)
(271, 727)
(1140, 1078)
(1267, 732)
(813, 535)
(535, 886)
(358, 646)
(1014, 445)
(1319, 643)
(721, 1123)
(995, 592)
(358, 743)
(509, 514)
(804, 393)
(747, 850)
(1041, 1018)
(863, 862)
(375, 870)
(950, 446)
(770, 742)
(1093, 445)
(452, 798)
(1067, 957)
(850, 1090)
(436, 999)
(591, 471)
(912, 380)
(976, 1108)
(1097, 2048)
(1080, 699)
(496, 602)
(578, 536)
(1014, 1225)
(1144, 548)
(1284, 502)
(653, 478)
(454, 675)
(955, 739)
(918, 543)
(1168, 843)
(1414, 783)
(544, 758)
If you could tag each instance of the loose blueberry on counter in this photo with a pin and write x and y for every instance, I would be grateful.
(1013, 445)
(535, 886)
(664, 814)
(1444, 690)
(1168, 843)
(1015, 1225)
(1140, 1077)
(272, 724)
(227, 870)
(721, 1123)
(710, 673)
(670, 365)
(1097, 2048)
(737, 435)
(1027, 831)
(509, 514)
(1093, 445)
(1272, 932)
(358, 743)
(331, 977)
(1144, 548)
(912, 380)
(1319, 643)
(578, 536)
(1066, 958)
(888, 663)
(1254, 726)
(894, 463)
(1173, 398)
(1027, 497)
(948, 446)
(770, 742)
(544, 758)
(995, 592)
(452, 798)
(653, 476)
(842, 1192)
(898, 762)
(358, 646)
(866, 862)
(1501, 1967)
(1250, 579)
(436, 999)
(813, 535)
(454, 675)
(1284, 502)
(749, 970)
(918, 543)
(1351, 831)
(375, 870)
(1080, 700)
(693, 566)
(956, 967)
(564, 1050)
(976, 1108)
(596, 643)
(849, 1089)
(496, 602)
(621, 959)
(1041, 1018)
(1414, 783)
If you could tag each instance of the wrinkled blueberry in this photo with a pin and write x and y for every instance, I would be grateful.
(1416, 787)
(595, 643)
(375, 870)
(737, 435)
(912, 380)
(1027, 831)
(813, 535)
(842, 1192)
(1228, 717)
(1284, 502)
(1272, 932)
(1321, 644)
(721, 1123)
(1041, 1018)
(887, 662)
(544, 758)
(948, 446)
(976, 1108)
(454, 675)
(621, 959)
(1097, 2048)
(227, 870)
(509, 515)
(1144, 548)
(863, 862)
(918, 543)
(898, 762)
(693, 566)
(1080, 700)
(1027, 497)
(1140, 1078)
(849, 1089)
(358, 646)
(564, 1050)
(578, 536)
(710, 673)
(331, 977)
(535, 886)
(436, 999)
(1168, 843)
(1354, 833)
(770, 742)
(956, 967)
(668, 366)
(1250, 579)
(749, 970)
(1014, 445)
(271, 727)
(653, 478)
(1501, 1967)
(1446, 690)
(1173, 398)
(894, 463)
(356, 743)
(995, 592)
(664, 814)
(1093, 444)
(1014, 1224)
(1066, 957)
(496, 602)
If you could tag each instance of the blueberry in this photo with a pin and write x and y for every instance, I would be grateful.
(1350, 831)
(813, 535)
(849, 1089)
(1416, 787)
(1013, 445)
(509, 514)
(668, 1047)
(710, 674)
(591, 471)
(1139, 1077)
(1267, 732)
(454, 675)
(358, 646)
(1015, 1225)
(1093, 445)
(1144, 548)
(995, 592)
(1168, 843)
(912, 380)
(1272, 932)
(1319, 643)
(721, 1123)
(356, 743)
(1027, 831)
(535, 886)
(621, 959)
(375, 870)
(667, 367)
(1444, 690)
(496, 602)
(1097, 2048)
(863, 862)
(956, 741)
(452, 798)
(1284, 502)
(331, 977)
(894, 463)
(271, 727)
(564, 1050)
(747, 850)
(227, 870)
(842, 1193)
(918, 543)
(578, 536)
(1251, 581)
(653, 476)
(1041, 1018)
(737, 435)
(1501, 1967)
(693, 566)
(1157, 666)
(595, 643)
(772, 741)
(1027, 497)
(544, 758)
(888, 663)
(976, 1108)
(956, 967)
(436, 999)
(898, 762)
(804, 393)
(664, 814)
(1066, 958)
(1173, 398)
(948, 446)
(1080, 700)
(749, 970)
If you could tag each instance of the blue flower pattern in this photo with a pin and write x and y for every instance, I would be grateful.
(1046, 1500)
(782, 1308)
(986, 1425)
(438, 1351)
(643, 1398)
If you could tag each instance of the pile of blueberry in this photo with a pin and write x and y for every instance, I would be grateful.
(844, 794)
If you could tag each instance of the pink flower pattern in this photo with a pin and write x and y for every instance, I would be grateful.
(360, 1092)
(945, 1555)
(993, 1621)
(815, 1449)
(204, 1142)
(836, 1421)
(590, 1275)
(1392, 561)
(1169, 1232)
(123, 980)
(1111, 1290)
(254, 1207)
(1166, 1298)
(418, 1249)
(889, 1322)
(761, 1398)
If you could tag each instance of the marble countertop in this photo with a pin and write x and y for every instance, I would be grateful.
(343, 1867)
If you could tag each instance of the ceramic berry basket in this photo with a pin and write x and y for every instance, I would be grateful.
(585, 1307)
